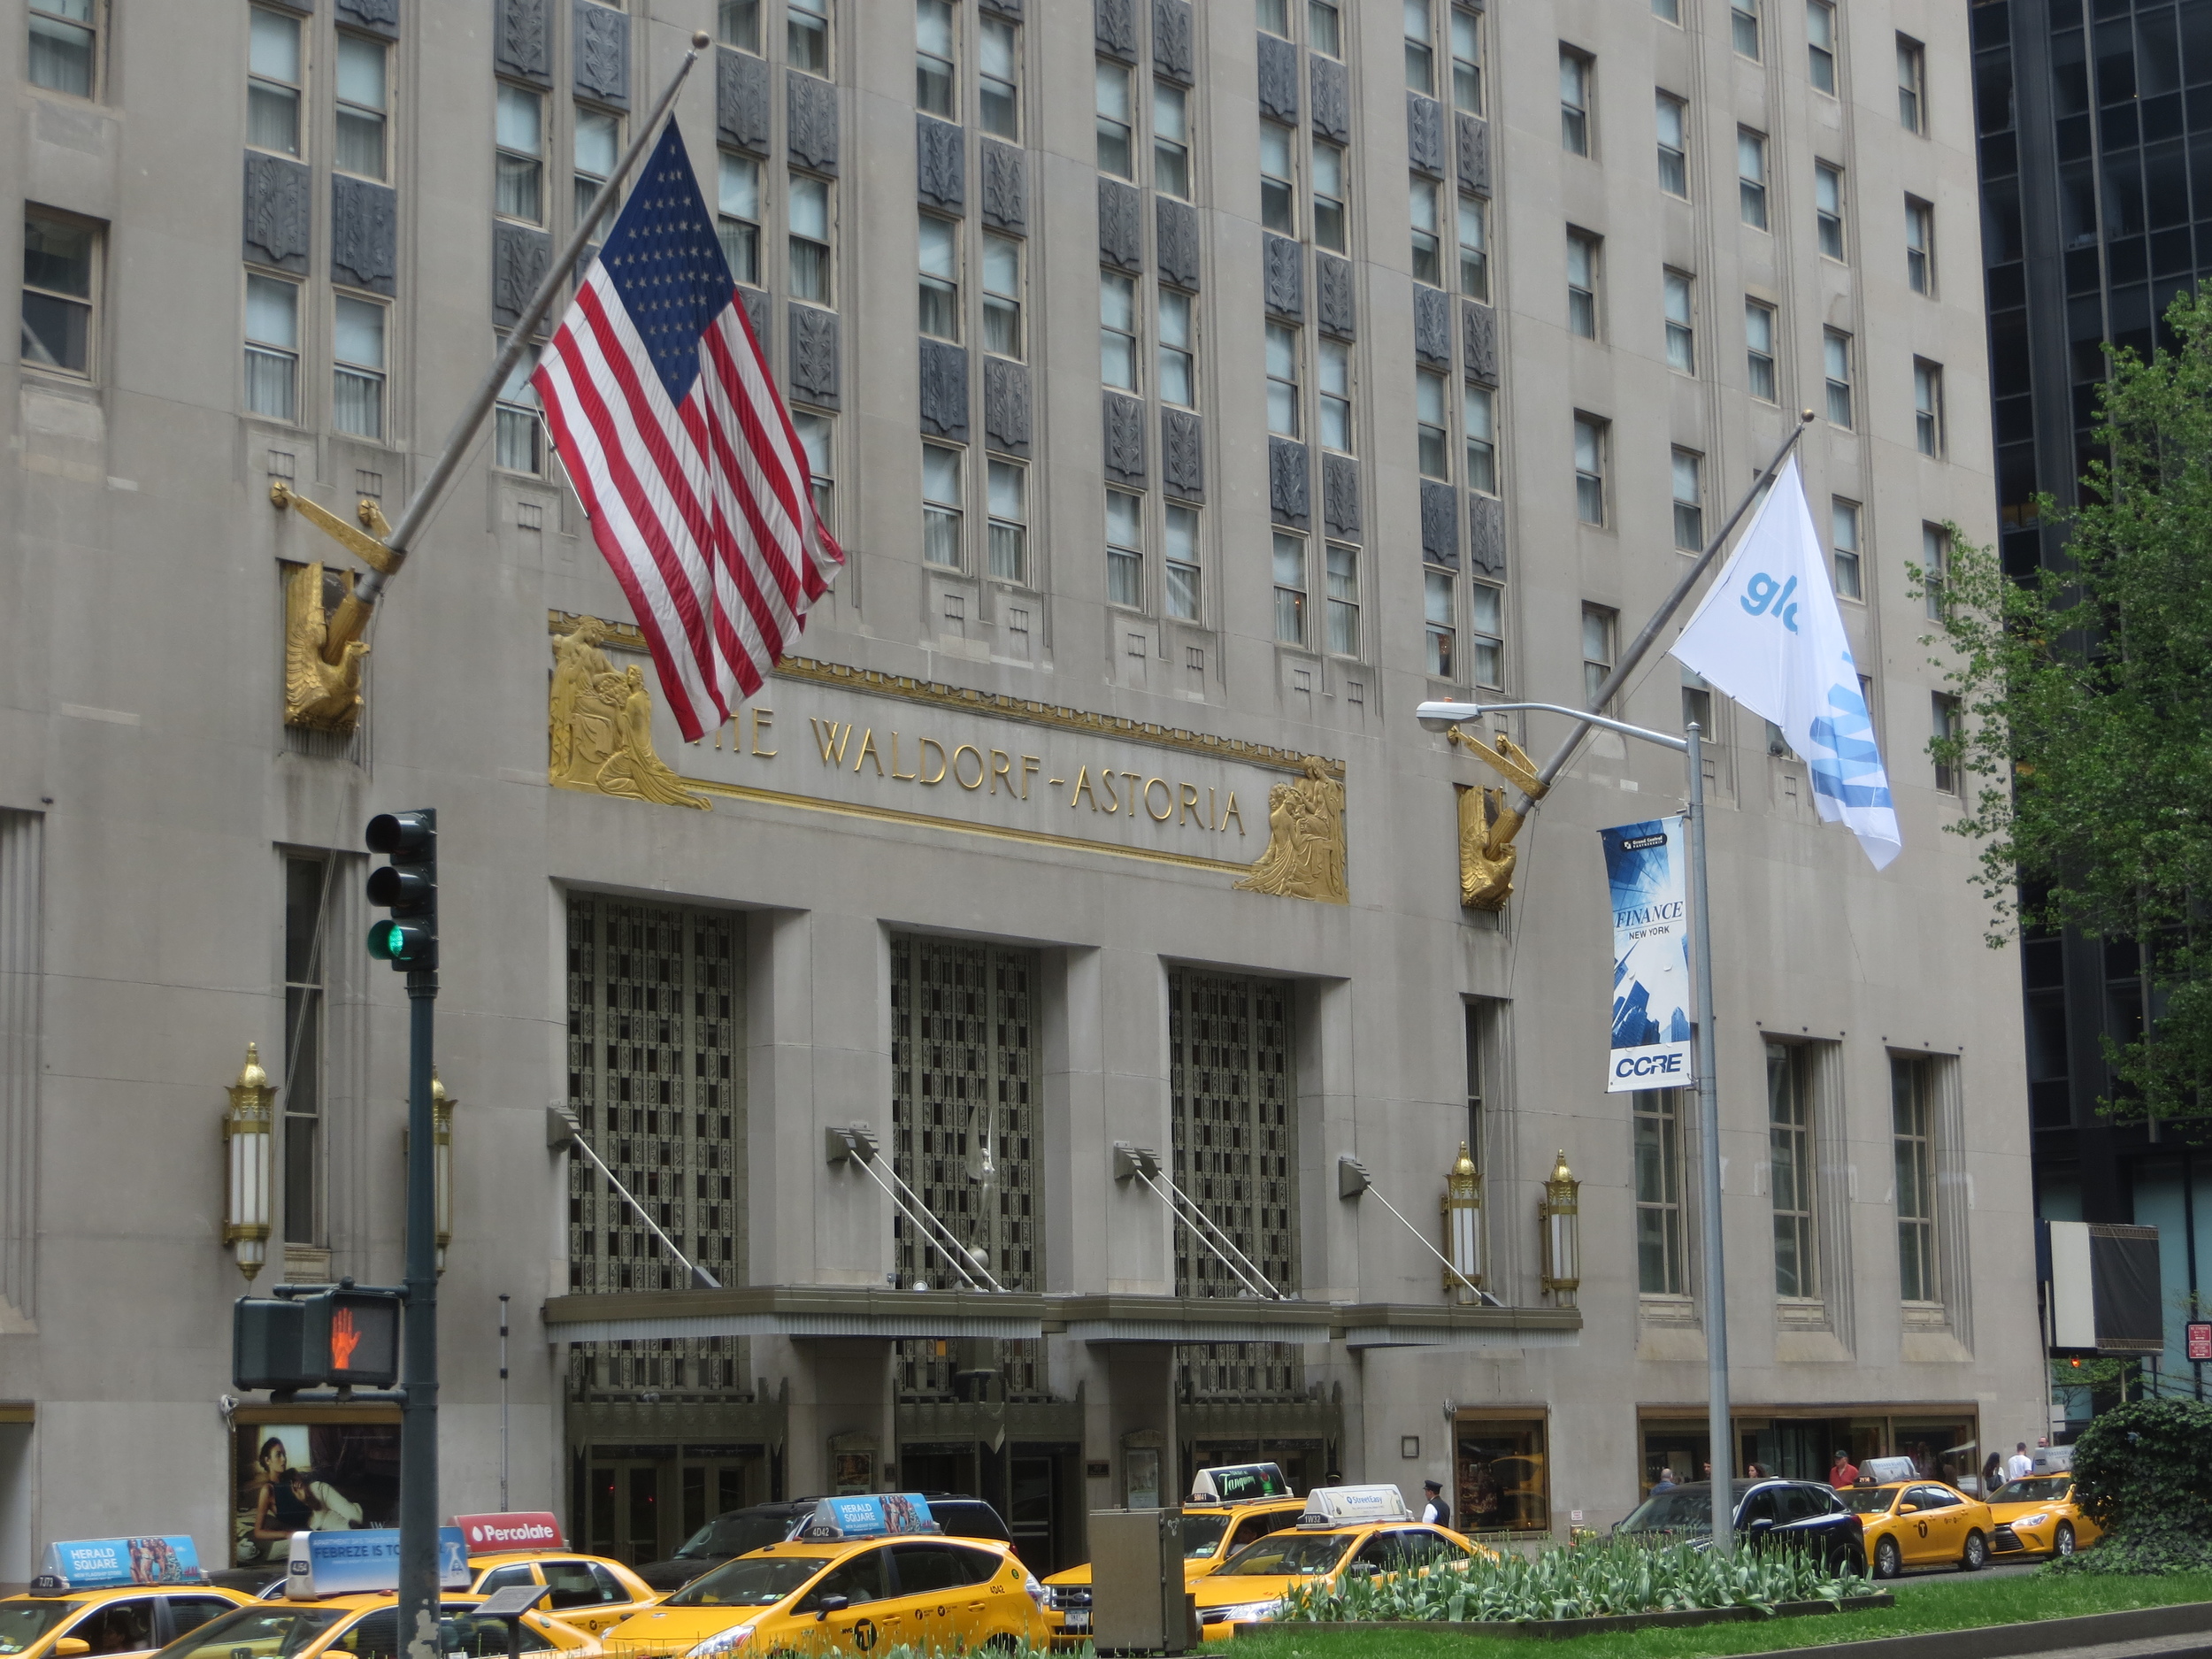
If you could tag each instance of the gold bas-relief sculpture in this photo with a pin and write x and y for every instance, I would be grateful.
(600, 721)
(1305, 839)
(1486, 826)
(322, 685)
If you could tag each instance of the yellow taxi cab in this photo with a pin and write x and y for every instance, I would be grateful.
(111, 1595)
(1920, 1524)
(589, 1593)
(868, 1571)
(364, 1625)
(1230, 1506)
(2040, 1515)
(1365, 1531)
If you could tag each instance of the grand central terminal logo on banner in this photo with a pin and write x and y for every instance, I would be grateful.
(824, 737)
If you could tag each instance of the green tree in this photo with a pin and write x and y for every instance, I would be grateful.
(2085, 749)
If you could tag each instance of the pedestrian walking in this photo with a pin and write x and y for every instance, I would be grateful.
(1665, 1483)
(2019, 1464)
(1992, 1474)
(1434, 1510)
(1843, 1472)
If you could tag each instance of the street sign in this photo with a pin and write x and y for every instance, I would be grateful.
(2199, 1334)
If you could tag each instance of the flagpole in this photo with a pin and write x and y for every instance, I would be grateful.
(353, 615)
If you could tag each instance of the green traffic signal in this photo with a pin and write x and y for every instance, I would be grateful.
(408, 887)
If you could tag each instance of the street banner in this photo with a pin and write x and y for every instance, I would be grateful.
(345, 1563)
(1770, 635)
(1647, 868)
(95, 1563)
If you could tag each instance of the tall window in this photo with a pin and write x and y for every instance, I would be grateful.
(1420, 48)
(1789, 1167)
(1689, 501)
(598, 144)
(1124, 548)
(516, 443)
(357, 396)
(1919, 246)
(1751, 177)
(273, 347)
(814, 437)
(1828, 207)
(1117, 330)
(1927, 406)
(1589, 470)
(276, 72)
(998, 59)
(1743, 27)
(1466, 60)
(1681, 322)
(1835, 346)
(1428, 264)
(809, 238)
(1474, 247)
(519, 131)
(1758, 329)
(58, 274)
(1115, 154)
(933, 58)
(1282, 380)
(737, 23)
(1912, 81)
(1182, 561)
(1440, 607)
(1486, 630)
(939, 242)
(1658, 1192)
(1001, 294)
(1913, 1141)
(1343, 599)
(62, 46)
(1667, 10)
(363, 100)
(1935, 565)
(941, 504)
(1944, 722)
(1574, 101)
(306, 953)
(1481, 420)
(1820, 45)
(1279, 178)
(1009, 521)
(1597, 653)
(1674, 144)
(1170, 139)
(1324, 28)
(1328, 196)
(1335, 377)
(1290, 588)
(1430, 418)
(1274, 17)
(737, 219)
(1843, 520)
(806, 36)
(1179, 346)
(1582, 283)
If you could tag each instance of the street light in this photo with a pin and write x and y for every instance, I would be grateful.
(1443, 717)
(1560, 1211)
(246, 1135)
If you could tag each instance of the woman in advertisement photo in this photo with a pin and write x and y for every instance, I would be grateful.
(287, 1494)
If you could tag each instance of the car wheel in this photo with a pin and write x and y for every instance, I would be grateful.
(1976, 1553)
(1889, 1561)
(2063, 1542)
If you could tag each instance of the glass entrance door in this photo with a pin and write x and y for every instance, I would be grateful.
(627, 1510)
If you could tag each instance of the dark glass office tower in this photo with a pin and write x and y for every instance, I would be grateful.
(2095, 122)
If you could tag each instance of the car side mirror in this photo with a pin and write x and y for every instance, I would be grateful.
(72, 1647)
(830, 1604)
(1763, 1525)
(1907, 1509)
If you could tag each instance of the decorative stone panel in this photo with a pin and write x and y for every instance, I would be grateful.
(521, 40)
(1473, 136)
(1289, 495)
(1331, 90)
(1340, 494)
(1486, 534)
(1285, 287)
(1120, 230)
(1425, 134)
(378, 17)
(519, 258)
(1125, 440)
(1279, 79)
(602, 53)
(1115, 26)
(1439, 523)
(941, 163)
(1431, 326)
(741, 101)
(1170, 39)
(1182, 454)
(1332, 303)
(364, 233)
(1478, 340)
(813, 353)
(945, 390)
(1005, 187)
(277, 215)
(1006, 421)
(755, 304)
(810, 118)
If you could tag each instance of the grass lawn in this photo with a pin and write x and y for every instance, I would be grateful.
(1943, 1601)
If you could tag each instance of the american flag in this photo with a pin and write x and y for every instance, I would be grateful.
(661, 405)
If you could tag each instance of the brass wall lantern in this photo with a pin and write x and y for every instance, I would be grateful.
(1461, 1205)
(1559, 1214)
(249, 1143)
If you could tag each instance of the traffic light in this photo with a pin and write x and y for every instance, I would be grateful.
(408, 887)
(348, 1335)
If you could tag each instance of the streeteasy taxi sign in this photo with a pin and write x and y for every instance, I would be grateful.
(1352, 1506)
(521, 1529)
(344, 1563)
(95, 1563)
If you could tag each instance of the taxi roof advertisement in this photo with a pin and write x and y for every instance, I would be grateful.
(93, 1563)
(522, 1529)
(877, 1513)
(342, 1564)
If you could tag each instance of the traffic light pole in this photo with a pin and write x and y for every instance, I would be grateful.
(419, 1416)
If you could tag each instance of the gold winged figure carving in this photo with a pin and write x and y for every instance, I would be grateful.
(1488, 825)
(599, 723)
(319, 695)
(1305, 854)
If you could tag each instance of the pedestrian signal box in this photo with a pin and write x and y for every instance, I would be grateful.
(346, 1336)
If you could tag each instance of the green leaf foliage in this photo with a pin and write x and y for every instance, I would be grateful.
(2144, 1473)
(2086, 744)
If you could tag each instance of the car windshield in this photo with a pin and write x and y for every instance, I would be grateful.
(749, 1581)
(1868, 1500)
(23, 1623)
(1292, 1555)
(2035, 1489)
(265, 1630)
(1679, 1509)
(728, 1535)
(1201, 1535)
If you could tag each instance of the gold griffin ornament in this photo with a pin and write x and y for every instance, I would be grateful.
(1305, 852)
(1486, 826)
(599, 724)
(318, 695)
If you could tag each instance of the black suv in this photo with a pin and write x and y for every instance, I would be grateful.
(1768, 1512)
(741, 1532)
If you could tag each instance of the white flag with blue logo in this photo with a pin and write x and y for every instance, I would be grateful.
(1769, 635)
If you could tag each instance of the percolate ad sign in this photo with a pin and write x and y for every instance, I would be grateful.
(1644, 865)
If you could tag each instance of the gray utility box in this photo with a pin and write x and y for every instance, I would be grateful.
(1138, 1602)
